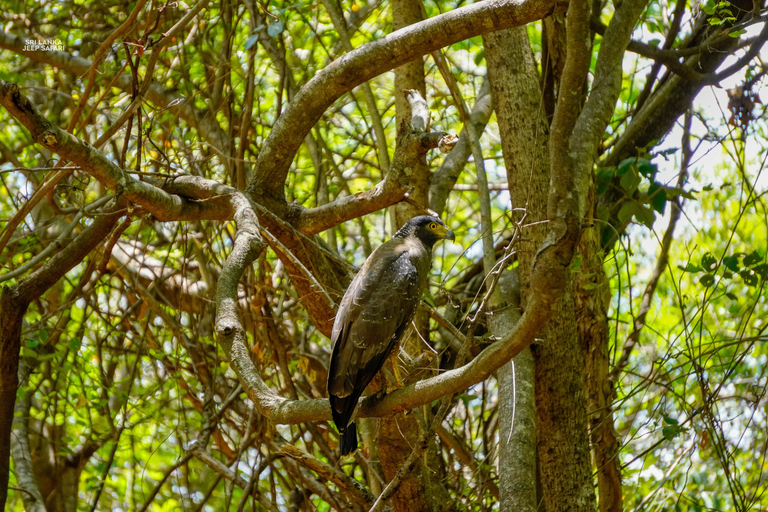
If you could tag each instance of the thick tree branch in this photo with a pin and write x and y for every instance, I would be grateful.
(411, 147)
(284, 411)
(371, 60)
(590, 127)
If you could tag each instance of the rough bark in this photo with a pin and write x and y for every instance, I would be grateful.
(11, 315)
(419, 490)
(523, 131)
(592, 303)
(517, 410)
(560, 392)
(22, 456)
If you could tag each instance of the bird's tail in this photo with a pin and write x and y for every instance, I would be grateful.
(348, 443)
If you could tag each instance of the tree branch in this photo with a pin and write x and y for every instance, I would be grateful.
(230, 475)
(347, 484)
(411, 147)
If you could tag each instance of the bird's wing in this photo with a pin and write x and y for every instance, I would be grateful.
(373, 314)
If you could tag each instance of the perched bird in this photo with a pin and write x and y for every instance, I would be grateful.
(375, 312)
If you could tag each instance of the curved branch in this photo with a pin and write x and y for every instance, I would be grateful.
(281, 410)
(411, 147)
(371, 60)
(549, 278)
(316, 220)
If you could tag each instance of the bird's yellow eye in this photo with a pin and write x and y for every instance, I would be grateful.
(433, 226)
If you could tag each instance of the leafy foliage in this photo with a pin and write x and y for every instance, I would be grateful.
(122, 365)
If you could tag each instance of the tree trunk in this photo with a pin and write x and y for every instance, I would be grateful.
(11, 316)
(517, 410)
(592, 302)
(563, 443)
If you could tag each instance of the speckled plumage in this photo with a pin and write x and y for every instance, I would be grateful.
(375, 312)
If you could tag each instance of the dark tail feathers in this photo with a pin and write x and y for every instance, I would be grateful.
(348, 443)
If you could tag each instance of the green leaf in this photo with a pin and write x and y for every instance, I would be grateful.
(752, 259)
(626, 211)
(630, 181)
(74, 343)
(732, 263)
(658, 197)
(601, 186)
(275, 29)
(624, 166)
(646, 216)
(709, 262)
(646, 168)
(690, 267)
(669, 420)
(603, 180)
(250, 42)
(479, 56)
(605, 174)
(749, 276)
(761, 270)
(671, 431)
(707, 280)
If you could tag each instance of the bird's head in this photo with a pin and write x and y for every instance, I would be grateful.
(426, 228)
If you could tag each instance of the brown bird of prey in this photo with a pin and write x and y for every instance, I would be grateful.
(375, 312)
